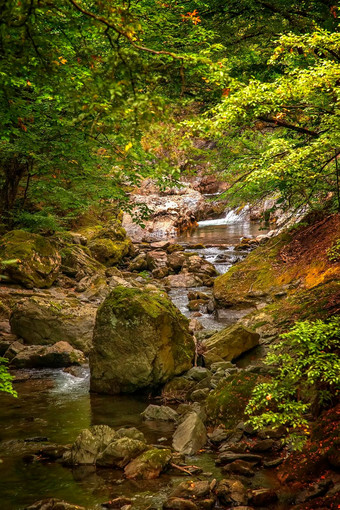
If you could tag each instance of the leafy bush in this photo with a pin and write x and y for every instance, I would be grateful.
(333, 253)
(6, 378)
(308, 371)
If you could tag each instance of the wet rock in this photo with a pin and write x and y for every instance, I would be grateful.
(231, 492)
(262, 497)
(195, 407)
(221, 365)
(120, 452)
(272, 433)
(139, 263)
(198, 373)
(61, 354)
(130, 432)
(89, 444)
(263, 445)
(13, 350)
(189, 489)
(53, 504)
(140, 340)
(160, 272)
(190, 436)
(192, 295)
(199, 395)
(195, 325)
(38, 259)
(315, 491)
(156, 259)
(239, 467)
(179, 504)
(196, 304)
(176, 260)
(161, 413)
(228, 457)
(218, 435)
(178, 388)
(173, 248)
(149, 465)
(229, 344)
(117, 503)
(177, 281)
(273, 463)
(45, 321)
(160, 245)
(108, 251)
(77, 262)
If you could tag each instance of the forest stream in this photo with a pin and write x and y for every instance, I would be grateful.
(55, 405)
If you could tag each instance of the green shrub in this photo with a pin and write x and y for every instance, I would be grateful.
(6, 378)
(333, 253)
(308, 371)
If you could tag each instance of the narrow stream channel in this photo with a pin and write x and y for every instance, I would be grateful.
(56, 405)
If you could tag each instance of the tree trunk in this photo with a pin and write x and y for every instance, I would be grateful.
(13, 171)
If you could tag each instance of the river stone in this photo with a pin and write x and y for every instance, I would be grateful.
(53, 504)
(45, 321)
(78, 263)
(179, 504)
(120, 452)
(229, 344)
(38, 259)
(140, 340)
(89, 444)
(188, 489)
(161, 413)
(190, 436)
(149, 465)
(61, 354)
(231, 493)
(130, 432)
(198, 373)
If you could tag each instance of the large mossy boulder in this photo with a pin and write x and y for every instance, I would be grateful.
(46, 321)
(140, 340)
(229, 343)
(38, 261)
(149, 465)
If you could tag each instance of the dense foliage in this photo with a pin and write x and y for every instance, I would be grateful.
(308, 376)
(81, 82)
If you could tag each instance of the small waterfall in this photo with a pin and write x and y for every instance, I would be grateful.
(231, 216)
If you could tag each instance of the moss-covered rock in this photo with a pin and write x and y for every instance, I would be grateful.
(38, 259)
(45, 321)
(149, 465)
(229, 343)
(109, 252)
(226, 404)
(140, 340)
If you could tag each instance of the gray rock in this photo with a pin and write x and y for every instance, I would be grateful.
(120, 452)
(161, 413)
(46, 321)
(198, 373)
(221, 365)
(89, 444)
(228, 457)
(190, 436)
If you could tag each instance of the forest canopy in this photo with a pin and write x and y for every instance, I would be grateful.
(83, 82)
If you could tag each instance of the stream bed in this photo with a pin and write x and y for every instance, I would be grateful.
(56, 405)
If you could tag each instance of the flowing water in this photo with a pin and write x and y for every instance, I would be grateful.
(56, 405)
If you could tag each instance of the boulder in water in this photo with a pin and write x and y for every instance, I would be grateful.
(140, 340)
(61, 354)
(160, 413)
(190, 436)
(53, 504)
(149, 465)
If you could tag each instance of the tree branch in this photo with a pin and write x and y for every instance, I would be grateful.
(282, 123)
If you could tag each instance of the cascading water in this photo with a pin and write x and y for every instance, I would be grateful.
(231, 216)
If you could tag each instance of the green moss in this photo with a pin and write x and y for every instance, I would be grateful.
(109, 252)
(227, 403)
